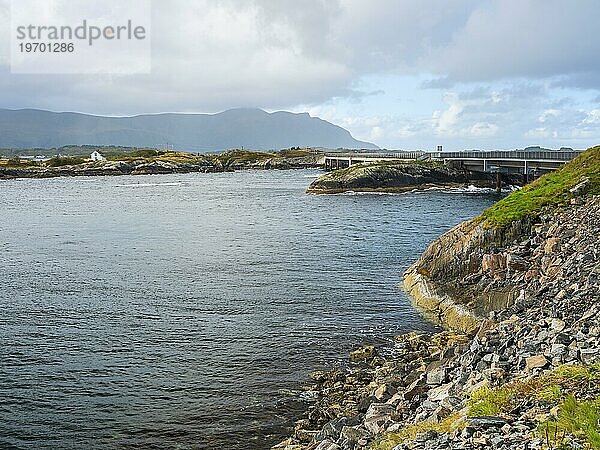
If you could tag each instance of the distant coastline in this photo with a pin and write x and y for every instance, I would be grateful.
(149, 161)
(253, 128)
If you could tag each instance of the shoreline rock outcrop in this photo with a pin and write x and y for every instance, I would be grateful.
(402, 176)
(447, 280)
(519, 365)
(226, 162)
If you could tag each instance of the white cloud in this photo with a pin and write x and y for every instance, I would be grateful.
(459, 120)
(483, 129)
(521, 38)
(446, 120)
(502, 60)
(548, 114)
(540, 132)
(592, 117)
(211, 55)
(376, 134)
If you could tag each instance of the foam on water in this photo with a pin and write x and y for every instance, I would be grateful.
(148, 184)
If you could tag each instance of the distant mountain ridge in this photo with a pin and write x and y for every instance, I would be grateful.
(235, 128)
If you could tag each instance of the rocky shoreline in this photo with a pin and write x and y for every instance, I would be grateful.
(153, 166)
(402, 176)
(519, 364)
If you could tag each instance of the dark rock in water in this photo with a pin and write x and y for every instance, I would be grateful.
(366, 352)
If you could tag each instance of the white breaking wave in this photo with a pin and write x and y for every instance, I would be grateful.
(471, 189)
(149, 184)
(368, 193)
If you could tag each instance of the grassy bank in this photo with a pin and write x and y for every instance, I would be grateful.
(550, 190)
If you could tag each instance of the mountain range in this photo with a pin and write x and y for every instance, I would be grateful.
(236, 128)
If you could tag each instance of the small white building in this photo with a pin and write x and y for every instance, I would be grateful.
(97, 156)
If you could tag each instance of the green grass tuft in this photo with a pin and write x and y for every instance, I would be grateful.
(550, 394)
(451, 423)
(489, 402)
(575, 418)
(550, 388)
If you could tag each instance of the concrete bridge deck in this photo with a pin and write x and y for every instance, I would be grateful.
(523, 162)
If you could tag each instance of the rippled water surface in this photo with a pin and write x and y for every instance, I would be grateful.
(173, 311)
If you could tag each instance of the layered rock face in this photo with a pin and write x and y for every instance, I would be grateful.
(522, 373)
(474, 269)
(450, 280)
(397, 177)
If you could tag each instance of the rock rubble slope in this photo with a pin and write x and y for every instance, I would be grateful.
(519, 364)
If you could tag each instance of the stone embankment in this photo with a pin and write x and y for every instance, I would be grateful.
(402, 176)
(518, 366)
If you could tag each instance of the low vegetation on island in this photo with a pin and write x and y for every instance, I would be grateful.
(400, 176)
(73, 161)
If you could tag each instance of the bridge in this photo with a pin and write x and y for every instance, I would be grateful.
(529, 163)
(342, 160)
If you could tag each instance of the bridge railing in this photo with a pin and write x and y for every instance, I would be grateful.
(359, 155)
(551, 155)
(557, 155)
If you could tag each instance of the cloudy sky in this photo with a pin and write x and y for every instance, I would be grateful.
(402, 74)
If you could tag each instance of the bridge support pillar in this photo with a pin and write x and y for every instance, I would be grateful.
(498, 182)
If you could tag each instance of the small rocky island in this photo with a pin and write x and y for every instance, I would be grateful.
(400, 176)
(150, 161)
(518, 366)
